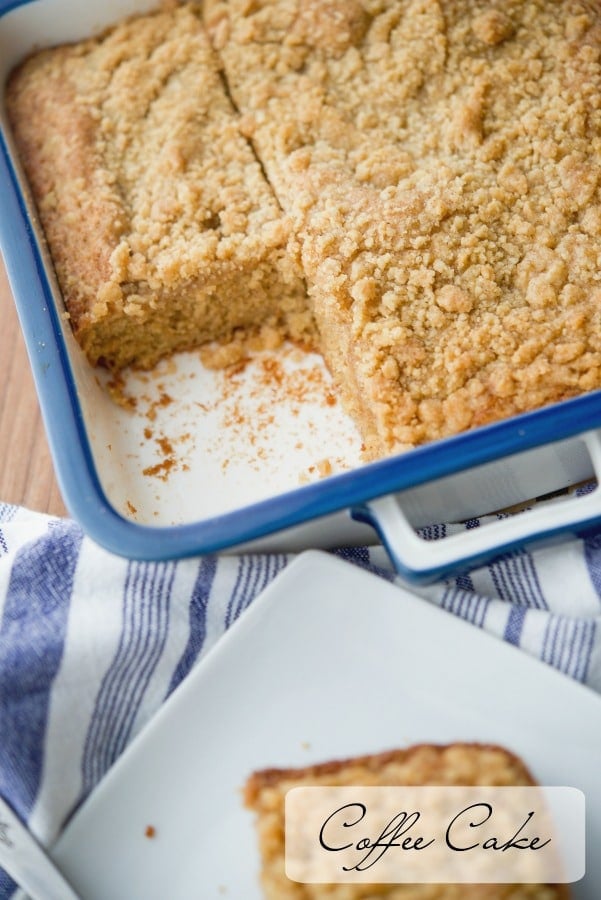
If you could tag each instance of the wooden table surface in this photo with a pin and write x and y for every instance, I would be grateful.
(26, 471)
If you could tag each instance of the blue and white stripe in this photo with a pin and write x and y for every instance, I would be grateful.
(144, 628)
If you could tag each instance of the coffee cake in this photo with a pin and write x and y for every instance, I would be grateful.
(440, 162)
(430, 169)
(454, 764)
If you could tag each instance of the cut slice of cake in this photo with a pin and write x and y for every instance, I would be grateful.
(162, 228)
(456, 764)
(441, 164)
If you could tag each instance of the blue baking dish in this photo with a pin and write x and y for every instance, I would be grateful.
(480, 471)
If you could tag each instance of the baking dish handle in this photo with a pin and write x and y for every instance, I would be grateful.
(422, 560)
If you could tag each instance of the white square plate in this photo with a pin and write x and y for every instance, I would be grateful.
(329, 662)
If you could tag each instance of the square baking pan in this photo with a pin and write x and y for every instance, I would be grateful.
(263, 457)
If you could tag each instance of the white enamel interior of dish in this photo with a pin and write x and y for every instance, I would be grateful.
(201, 443)
(195, 456)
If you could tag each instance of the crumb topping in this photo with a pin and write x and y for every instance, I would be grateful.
(442, 175)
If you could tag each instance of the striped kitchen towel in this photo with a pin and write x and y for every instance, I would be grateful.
(91, 645)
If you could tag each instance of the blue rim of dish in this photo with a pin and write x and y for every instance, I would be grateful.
(78, 478)
(8, 5)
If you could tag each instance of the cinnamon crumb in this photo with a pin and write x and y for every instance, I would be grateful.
(163, 401)
(160, 470)
(324, 467)
(116, 390)
(165, 445)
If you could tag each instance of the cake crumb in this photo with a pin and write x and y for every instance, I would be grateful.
(165, 445)
(160, 470)
(324, 467)
(116, 390)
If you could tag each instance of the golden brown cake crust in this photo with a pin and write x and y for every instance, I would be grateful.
(162, 227)
(441, 163)
(423, 764)
(415, 765)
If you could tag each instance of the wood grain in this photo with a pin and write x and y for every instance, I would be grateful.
(26, 471)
